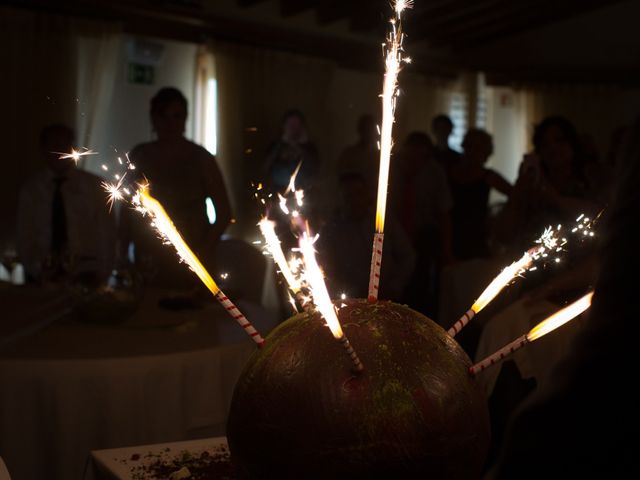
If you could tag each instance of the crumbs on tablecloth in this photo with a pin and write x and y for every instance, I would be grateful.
(212, 464)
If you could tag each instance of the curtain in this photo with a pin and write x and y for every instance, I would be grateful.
(98, 46)
(46, 79)
(38, 83)
(255, 88)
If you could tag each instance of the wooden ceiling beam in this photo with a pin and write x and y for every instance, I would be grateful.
(624, 77)
(439, 19)
(294, 7)
(186, 25)
(534, 16)
(332, 10)
(249, 3)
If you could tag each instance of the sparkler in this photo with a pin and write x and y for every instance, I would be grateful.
(146, 204)
(394, 58)
(548, 325)
(267, 227)
(321, 299)
(550, 242)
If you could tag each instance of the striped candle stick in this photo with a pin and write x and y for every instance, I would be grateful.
(460, 324)
(376, 263)
(499, 355)
(352, 353)
(239, 317)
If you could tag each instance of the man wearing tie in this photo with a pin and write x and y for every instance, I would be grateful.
(64, 226)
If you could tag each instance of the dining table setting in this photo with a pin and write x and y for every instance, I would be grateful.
(90, 369)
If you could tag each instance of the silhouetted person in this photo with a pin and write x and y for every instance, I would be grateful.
(441, 127)
(345, 245)
(64, 226)
(551, 187)
(182, 176)
(585, 424)
(421, 199)
(363, 156)
(292, 148)
(471, 183)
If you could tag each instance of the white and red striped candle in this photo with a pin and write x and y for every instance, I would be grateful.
(376, 263)
(548, 325)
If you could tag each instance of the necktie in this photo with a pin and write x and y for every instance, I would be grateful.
(58, 218)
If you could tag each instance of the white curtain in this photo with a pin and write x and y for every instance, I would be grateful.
(39, 59)
(98, 52)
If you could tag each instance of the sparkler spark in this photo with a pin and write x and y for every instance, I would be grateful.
(321, 299)
(402, 5)
(393, 63)
(548, 325)
(314, 277)
(549, 242)
(146, 204)
(561, 317)
(394, 58)
(267, 227)
(75, 155)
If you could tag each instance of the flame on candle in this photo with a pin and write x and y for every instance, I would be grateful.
(393, 63)
(267, 227)
(315, 279)
(146, 204)
(561, 317)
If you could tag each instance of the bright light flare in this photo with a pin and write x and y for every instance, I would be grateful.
(402, 5)
(267, 227)
(393, 62)
(561, 317)
(502, 280)
(548, 325)
(317, 286)
(75, 155)
(165, 227)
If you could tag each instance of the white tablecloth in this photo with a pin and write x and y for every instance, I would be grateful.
(118, 463)
(72, 388)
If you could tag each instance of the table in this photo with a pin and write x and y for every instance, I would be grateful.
(120, 463)
(160, 376)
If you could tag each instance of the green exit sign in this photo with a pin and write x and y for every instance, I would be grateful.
(141, 74)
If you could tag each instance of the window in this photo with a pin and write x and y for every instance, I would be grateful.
(458, 115)
(206, 108)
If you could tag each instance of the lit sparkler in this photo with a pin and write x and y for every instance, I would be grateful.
(394, 58)
(548, 325)
(267, 227)
(146, 204)
(321, 299)
(550, 242)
